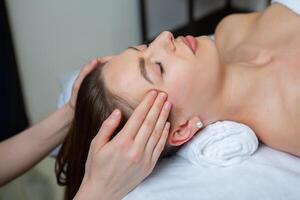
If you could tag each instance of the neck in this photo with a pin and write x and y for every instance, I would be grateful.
(237, 99)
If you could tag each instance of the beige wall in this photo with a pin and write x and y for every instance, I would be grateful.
(55, 37)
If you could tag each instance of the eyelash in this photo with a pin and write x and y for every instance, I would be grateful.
(162, 71)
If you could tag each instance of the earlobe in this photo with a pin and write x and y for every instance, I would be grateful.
(185, 131)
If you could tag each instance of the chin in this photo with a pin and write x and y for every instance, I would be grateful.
(206, 46)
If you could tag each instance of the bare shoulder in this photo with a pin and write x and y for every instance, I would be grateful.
(235, 26)
(259, 31)
(278, 11)
(233, 30)
(278, 18)
(238, 26)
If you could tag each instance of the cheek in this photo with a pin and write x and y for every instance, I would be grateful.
(180, 89)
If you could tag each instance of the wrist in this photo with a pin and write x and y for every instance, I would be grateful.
(94, 190)
(91, 189)
(68, 110)
(54, 128)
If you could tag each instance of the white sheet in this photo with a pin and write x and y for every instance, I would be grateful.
(267, 175)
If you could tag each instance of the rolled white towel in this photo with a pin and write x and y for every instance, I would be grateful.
(221, 144)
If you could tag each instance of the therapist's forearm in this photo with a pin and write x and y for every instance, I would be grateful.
(21, 152)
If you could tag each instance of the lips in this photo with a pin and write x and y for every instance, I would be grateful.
(191, 42)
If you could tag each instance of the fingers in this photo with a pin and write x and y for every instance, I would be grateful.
(148, 127)
(161, 143)
(104, 59)
(85, 71)
(158, 131)
(136, 119)
(107, 129)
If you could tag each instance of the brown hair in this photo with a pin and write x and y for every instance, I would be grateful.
(94, 104)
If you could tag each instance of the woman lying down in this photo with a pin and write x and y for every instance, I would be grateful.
(250, 74)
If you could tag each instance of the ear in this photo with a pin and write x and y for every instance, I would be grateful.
(185, 131)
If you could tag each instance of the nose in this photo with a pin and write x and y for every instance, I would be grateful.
(164, 40)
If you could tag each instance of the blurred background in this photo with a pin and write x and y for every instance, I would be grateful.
(42, 41)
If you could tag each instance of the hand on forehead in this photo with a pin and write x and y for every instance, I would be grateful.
(123, 78)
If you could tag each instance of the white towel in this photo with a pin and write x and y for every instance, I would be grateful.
(221, 144)
(66, 83)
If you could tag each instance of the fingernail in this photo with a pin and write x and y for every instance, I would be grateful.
(153, 92)
(199, 124)
(116, 113)
(167, 105)
(162, 95)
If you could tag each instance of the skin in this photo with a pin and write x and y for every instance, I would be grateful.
(247, 75)
(183, 80)
(273, 56)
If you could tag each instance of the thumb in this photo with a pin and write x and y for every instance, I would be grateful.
(108, 127)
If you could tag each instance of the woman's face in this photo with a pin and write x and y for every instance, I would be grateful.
(189, 77)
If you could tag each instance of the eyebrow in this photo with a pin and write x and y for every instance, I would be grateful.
(142, 67)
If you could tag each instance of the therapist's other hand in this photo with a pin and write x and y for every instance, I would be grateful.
(83, 73)
(114, 167)
(76, 85)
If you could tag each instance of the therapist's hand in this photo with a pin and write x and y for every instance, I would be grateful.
(114, 167)
(88, 68)
(83, 73)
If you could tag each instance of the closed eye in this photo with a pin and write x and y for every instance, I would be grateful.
(162, 71)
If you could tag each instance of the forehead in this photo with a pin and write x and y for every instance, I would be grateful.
(122, 77)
